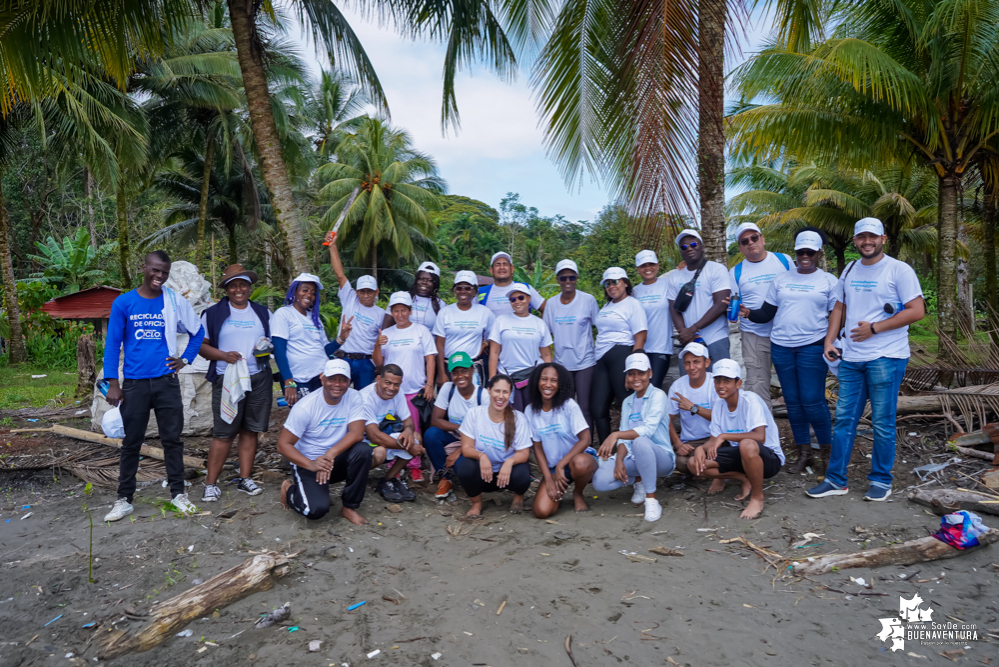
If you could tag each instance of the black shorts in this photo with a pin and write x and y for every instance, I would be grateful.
(253, 412)
(730, 460)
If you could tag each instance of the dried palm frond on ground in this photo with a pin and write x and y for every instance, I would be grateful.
(91, 463)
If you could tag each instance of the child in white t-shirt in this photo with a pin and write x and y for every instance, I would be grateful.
(691, 398)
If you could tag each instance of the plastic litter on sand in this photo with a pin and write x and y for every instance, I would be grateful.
(185, 633)
(374, 653)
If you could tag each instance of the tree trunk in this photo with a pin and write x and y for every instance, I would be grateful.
(989, 251)
(206, 179)
(946, 501)
(840, 260)
(921, 550)
(965, 298)
(16, 353)
(232, 244)
(711, 131)
(123, 249)
(88, 192)
(86, 366)
(374, 263)
(947, 262)
(265, 133)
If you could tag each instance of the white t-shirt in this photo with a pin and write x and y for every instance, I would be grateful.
(367, 321)
(320, 425)
(377, 408)
(617, 324)
(572, 329)
(457, 407)
(754, 282)
(423, 311)
(867, 290)
(749, 413)
(306, 342)
(463, 330)
(239, 333)
(521, 338)
(713, 278)
(693, 427)
(499, 300)
(489, 436)
(557, 430)
(654, 301)
(803, 303)
(408, 348)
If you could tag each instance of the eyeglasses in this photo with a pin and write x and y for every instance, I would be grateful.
(753, 238)
(687, 246)
(519, 297)
(568, 279)
(805, 251)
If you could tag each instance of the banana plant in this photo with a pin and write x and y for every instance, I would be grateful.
(68, 265)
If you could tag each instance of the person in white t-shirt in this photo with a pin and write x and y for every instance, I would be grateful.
(703, 319)
(391, 431)
(495, 445)
(426, 303)
(621, 330)
(463, 327)
(358, 307)
(571, 317)
(798, 304)
(878, 298)
(519, 342)
(744, 443)
(494, 297)
(751, 280)
(690, 400)
(561, 440)
(652, 294)
(323, 439)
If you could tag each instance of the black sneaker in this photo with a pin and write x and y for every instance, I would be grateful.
(400, 486)
(389, 492)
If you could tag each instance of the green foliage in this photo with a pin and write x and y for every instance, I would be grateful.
(51, 343)
(19, 390)
(69, 265)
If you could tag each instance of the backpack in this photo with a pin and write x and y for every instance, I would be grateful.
(478, 395)
(780, 256)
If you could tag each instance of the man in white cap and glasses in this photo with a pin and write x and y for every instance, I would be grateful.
(878, 297)
(751, 280)
(366, 318)
(323, 438)
(494, 297)
(652, 294)
(463, 327)
(697, 295)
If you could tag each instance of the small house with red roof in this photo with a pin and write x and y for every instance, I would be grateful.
(90, 305)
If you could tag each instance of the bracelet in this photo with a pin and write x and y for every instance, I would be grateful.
(290, 384)
(872, 329)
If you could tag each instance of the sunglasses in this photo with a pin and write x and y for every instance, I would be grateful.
(805, 251)
(463, 288)
(568, 279)
(519, 297)
(753, 238)
(688, 246)
(612, 281)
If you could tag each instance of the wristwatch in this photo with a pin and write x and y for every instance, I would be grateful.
(694, 410)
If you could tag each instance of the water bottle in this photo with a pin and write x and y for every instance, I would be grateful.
(733, 308)
(892, 308)
(698, 339)
(282, 403)
(103, 387)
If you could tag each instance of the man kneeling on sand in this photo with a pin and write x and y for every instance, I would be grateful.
(690, 399)
(390, 431)
(744, 443)
(323, 439)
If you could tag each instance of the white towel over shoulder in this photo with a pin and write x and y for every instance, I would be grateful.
(235, 385)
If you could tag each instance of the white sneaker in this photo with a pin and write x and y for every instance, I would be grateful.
(119, 510)
(183, 505)
(638, 497)
(652, 509)
(212, 493)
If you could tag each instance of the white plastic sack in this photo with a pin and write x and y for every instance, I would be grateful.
(112, 425)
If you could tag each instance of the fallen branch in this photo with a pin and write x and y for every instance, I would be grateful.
(914, 551)
(973, 453)
(87, 436)
(945, 501)
(251, 576)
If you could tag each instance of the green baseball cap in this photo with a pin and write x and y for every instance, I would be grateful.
(459, 360)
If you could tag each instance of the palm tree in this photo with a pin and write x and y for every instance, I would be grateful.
(336, 106)
(8, 141)
(398, 186)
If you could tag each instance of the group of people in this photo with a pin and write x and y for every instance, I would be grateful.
(478, 385)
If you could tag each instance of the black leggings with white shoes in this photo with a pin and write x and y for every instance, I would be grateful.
(608, 384)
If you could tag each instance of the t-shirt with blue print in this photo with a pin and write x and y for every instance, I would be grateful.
(320, 425)
(489, 436)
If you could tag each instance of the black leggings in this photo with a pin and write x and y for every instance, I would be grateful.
(312, 500)
(608, 384)
(660, 367)
(470, 477)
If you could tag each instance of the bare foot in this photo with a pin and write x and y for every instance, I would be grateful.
(517, 506)
(352, 516)
(747, 489)
(285, 485)
(476, 510)
(716, 487)
(753, 509)
(579, 500)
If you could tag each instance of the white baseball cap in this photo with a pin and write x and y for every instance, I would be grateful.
(746, 227)
(308, 278)
(646, 257)
(613, 273)
(498, 255)
(872, 225)
(809, 240)
(566, 264)
(688, 232)
(336, 367)
(367, 282)
(466, 277)
(519, 287)
(637, 362)
(430, 267)
(727, 368)
(400, 298)
(695, 349)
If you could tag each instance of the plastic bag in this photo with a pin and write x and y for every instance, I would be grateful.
(112, 425)
(961, 529)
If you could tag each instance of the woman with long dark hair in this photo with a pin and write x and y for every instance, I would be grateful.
(561, 439)
(495, 445)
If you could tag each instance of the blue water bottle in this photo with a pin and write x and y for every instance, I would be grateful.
(733, 307)
(103, 387)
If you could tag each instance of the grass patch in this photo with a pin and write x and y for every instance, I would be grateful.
(19, 390)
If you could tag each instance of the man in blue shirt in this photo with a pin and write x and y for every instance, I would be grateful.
(147, 321)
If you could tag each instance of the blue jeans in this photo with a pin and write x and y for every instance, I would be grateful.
(362, 372)
(877, 380)
(802, 373)
(434, 441)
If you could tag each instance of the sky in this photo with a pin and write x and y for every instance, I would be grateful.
(499, 147)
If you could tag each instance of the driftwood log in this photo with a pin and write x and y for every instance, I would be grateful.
(86, 366)
(87, 436)
(250, 576)
(945, 501)
(907, 405)
(914, 551)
